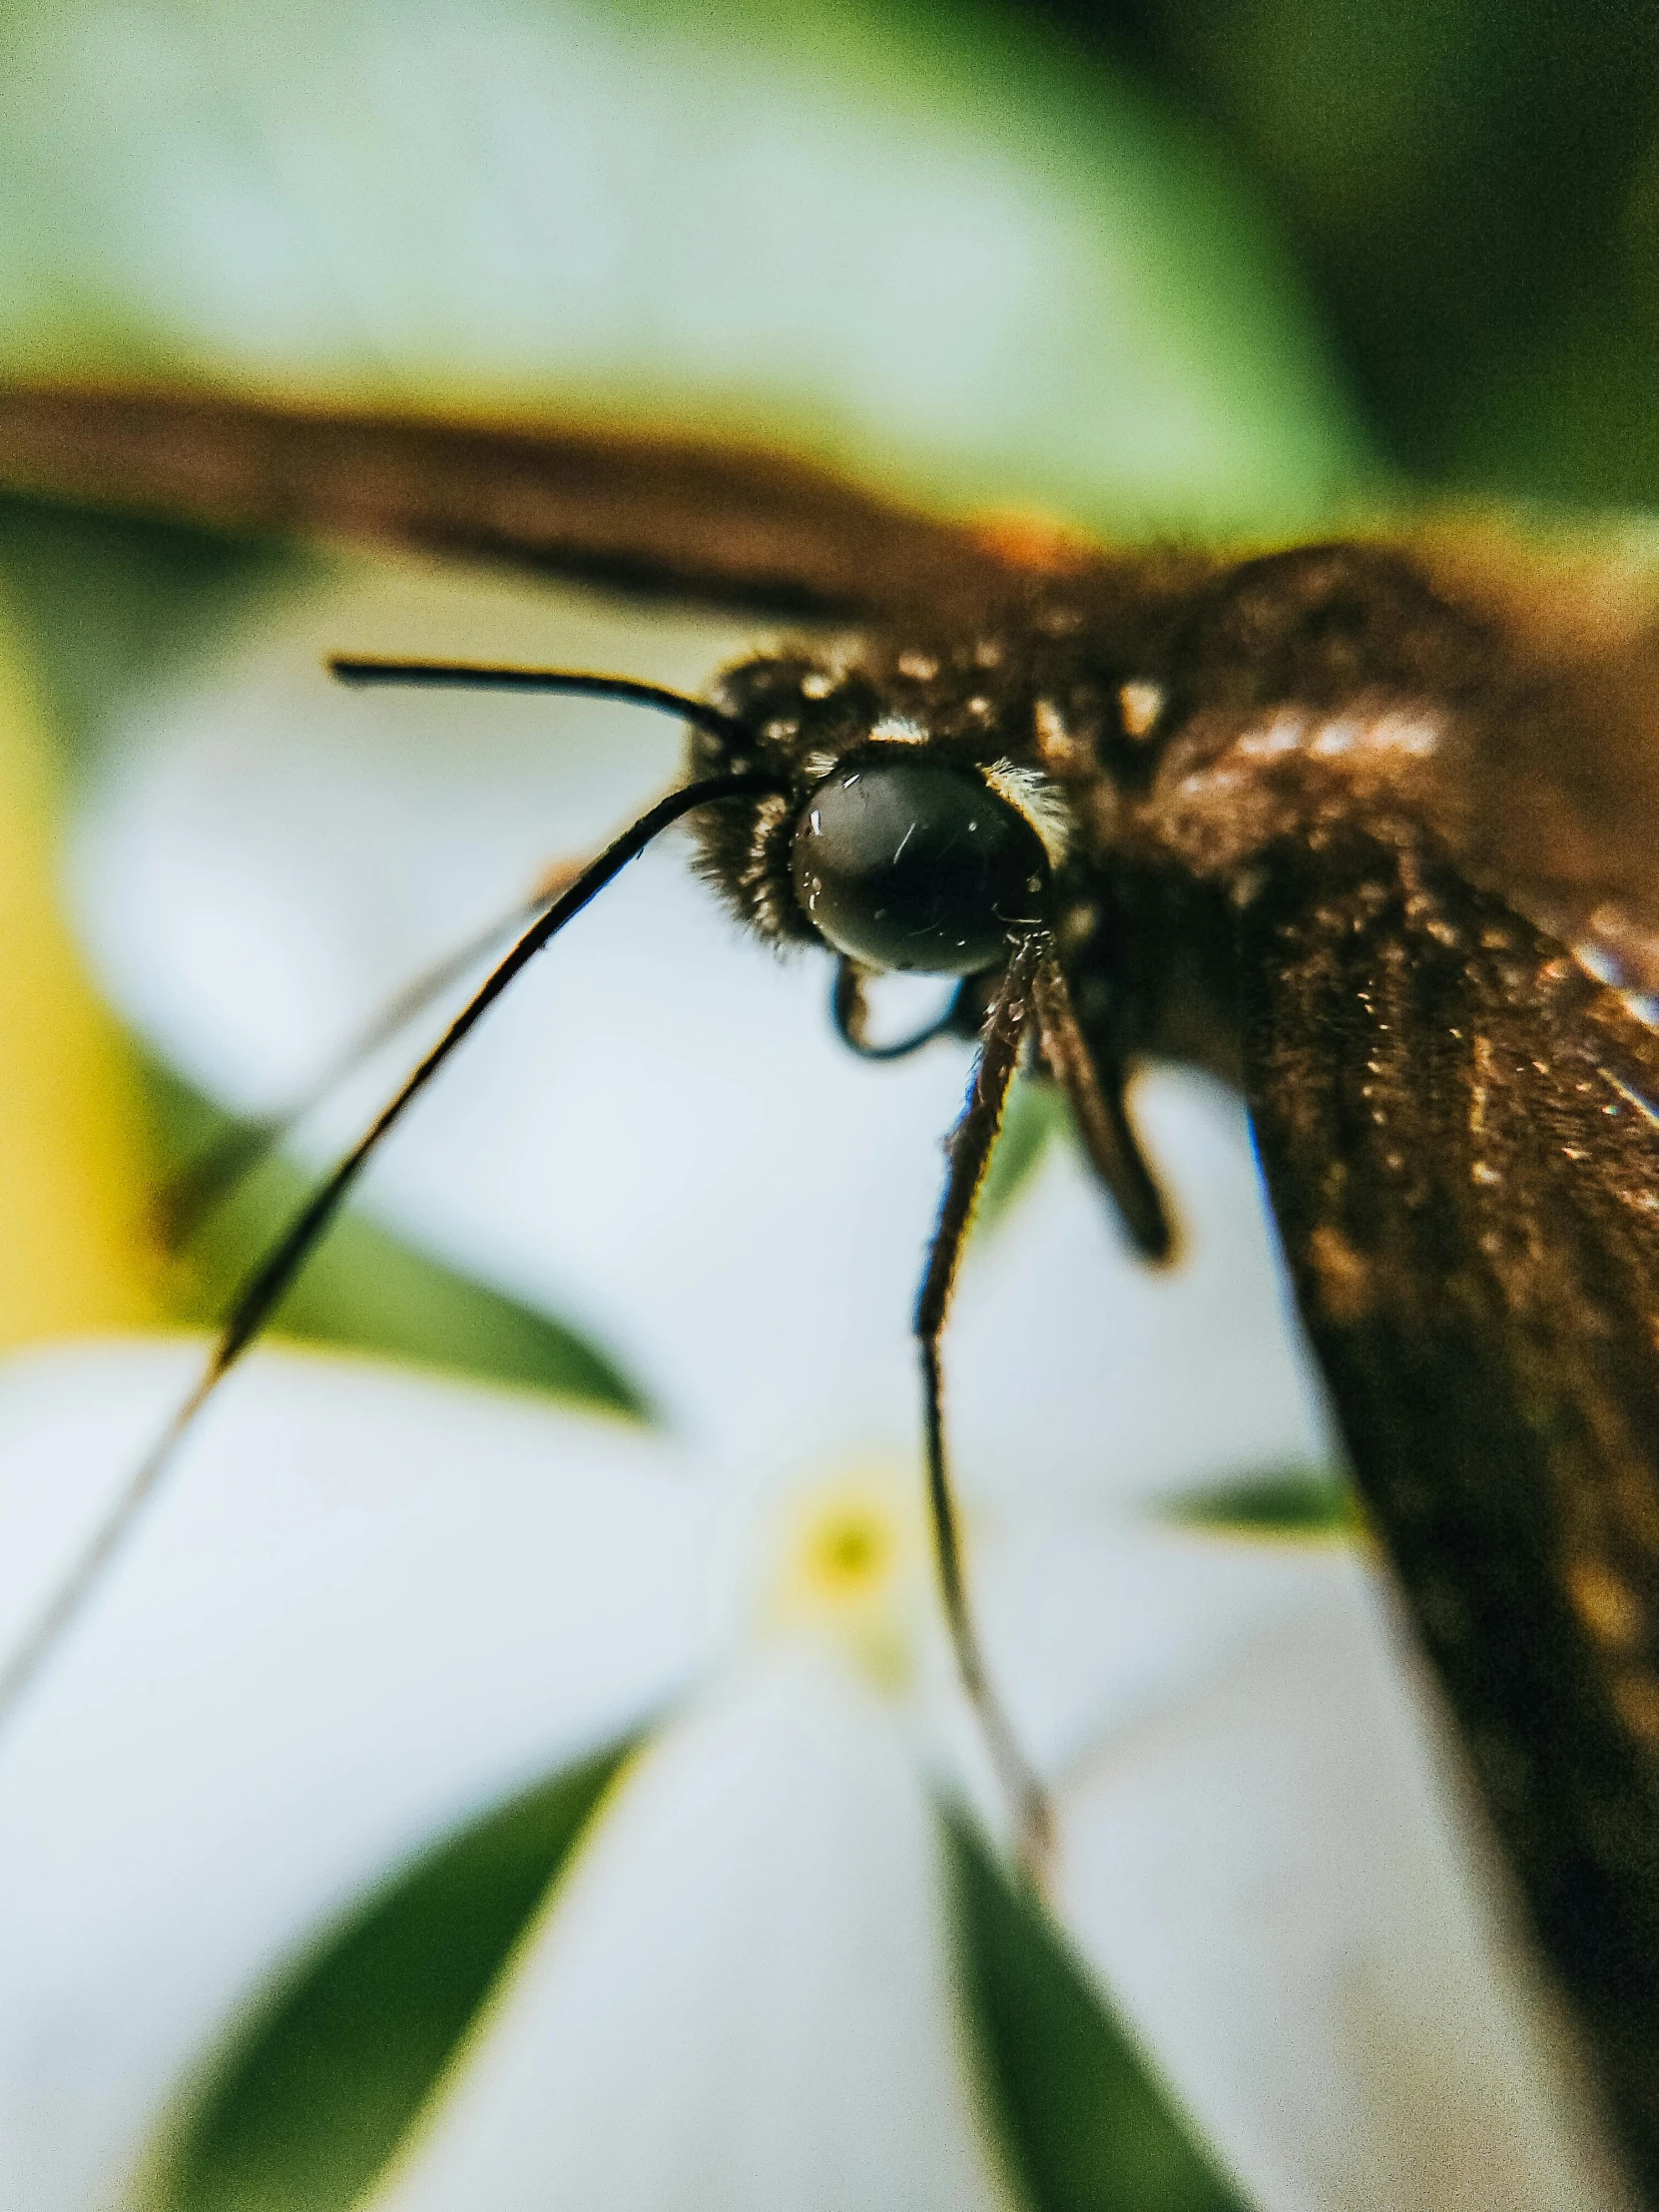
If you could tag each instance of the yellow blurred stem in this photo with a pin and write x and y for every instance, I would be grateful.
(72, 1154)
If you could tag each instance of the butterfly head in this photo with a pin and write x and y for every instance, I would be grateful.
(912, 831)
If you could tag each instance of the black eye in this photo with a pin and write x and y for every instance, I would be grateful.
(912, 865)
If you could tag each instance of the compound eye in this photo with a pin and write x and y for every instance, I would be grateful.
(916, 865)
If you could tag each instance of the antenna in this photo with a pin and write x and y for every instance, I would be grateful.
(483, 676)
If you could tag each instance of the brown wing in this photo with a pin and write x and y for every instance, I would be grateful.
(1549, 779)
(1458, 1133)
(726, 527)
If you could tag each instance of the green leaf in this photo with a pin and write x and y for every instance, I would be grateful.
(1470, 186)
(115, 605)
(316, 2093)
(1284, 1501)
(363, 1288)
(1087, 2125)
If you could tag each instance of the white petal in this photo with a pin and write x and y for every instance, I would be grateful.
(1077, 1374)
(739, 1999)
(1103, 1633)
(340, 840)
(366, 1605)
(1271, 1869)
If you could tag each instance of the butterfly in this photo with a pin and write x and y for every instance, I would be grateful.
(1369, 826)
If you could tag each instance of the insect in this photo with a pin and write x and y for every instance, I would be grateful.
(1370, 827)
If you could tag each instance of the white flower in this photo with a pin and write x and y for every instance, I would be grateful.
(373, 1603)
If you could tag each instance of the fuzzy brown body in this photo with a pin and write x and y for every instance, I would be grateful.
(1370, 827)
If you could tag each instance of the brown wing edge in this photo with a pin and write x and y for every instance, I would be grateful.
(1455, 1127)
(724, 526)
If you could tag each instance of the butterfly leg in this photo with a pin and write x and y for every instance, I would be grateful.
(849, 1012)
(969, 1150)
(1094, 1086)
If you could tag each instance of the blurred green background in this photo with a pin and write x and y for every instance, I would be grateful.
(1470, 192)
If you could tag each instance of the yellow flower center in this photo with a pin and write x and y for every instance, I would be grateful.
(849, 1552)
(851, 1565)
